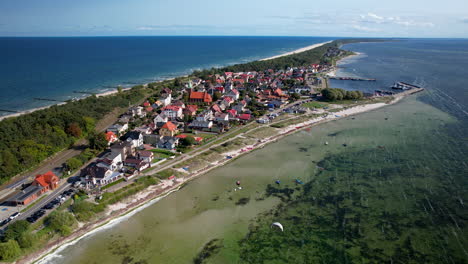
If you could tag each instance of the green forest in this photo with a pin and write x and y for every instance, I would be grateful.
(29, 139)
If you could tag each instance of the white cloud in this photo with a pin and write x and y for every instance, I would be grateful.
(173, 27)
(375, 16)
(145, 28)
(372, 18)
(365, 29)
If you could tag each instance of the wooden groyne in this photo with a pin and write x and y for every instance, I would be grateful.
(84, 92)
(9, 111)
(353, 79)
(48, 99)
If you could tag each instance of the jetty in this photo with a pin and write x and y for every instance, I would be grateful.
(48, 99)
(404, 86)
(84, 92)
(9, 111)
(411, 91)
(353, 79)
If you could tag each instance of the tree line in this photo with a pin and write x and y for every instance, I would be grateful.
(31, 138)
(337, 94)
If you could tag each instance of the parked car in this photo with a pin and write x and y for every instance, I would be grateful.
(13, 216)
(5, 221)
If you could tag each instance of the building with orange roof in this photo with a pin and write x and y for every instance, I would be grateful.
(111, 137)
(200, 97)
(168, 129)
(41, 184)
(48, 180)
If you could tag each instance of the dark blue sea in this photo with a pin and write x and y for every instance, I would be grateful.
(55, 67)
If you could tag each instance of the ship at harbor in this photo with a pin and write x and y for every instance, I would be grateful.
(404, 86)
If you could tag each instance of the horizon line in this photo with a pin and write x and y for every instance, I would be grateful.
(259, 36)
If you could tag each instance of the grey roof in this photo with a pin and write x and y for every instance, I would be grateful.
(94, 171)
(133, 135)
(121, 145)
(24, 194)
(111, 155)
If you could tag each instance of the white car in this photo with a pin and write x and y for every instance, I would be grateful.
(13, 216)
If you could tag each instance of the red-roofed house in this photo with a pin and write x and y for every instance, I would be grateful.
(227, 101)
(168, 129)
(279, 92)
(244, 117)
(200, 97)
(232, 113)
(146, 104)
(172, 111)
(48, 181)
(220, 89)
(111, 137)
(241, 81)
(228, 74)
(190, 110)
(198, 139)
(216, 108)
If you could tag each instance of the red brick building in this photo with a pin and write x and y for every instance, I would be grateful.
(41, 184)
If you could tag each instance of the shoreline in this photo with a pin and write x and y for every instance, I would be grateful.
(296, 51)
(333, 71)
(111, 92)
(153, 194)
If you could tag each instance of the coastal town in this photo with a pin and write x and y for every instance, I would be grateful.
(166, 126)
(179, 133)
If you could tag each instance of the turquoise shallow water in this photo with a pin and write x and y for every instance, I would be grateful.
(396, 193)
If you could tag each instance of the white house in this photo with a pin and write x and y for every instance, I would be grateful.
(134, 137)
(161, 118)
(111, 161)
(137, 111)
(172, 111)
(205, 115)
(166, 99)
(117, 128)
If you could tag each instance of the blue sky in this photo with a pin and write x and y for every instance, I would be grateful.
(360, 18)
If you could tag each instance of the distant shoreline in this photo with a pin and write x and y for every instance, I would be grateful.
(107, 93)
(297, 51)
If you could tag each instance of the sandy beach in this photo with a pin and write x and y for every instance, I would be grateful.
(332, 72)
(297, 51)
